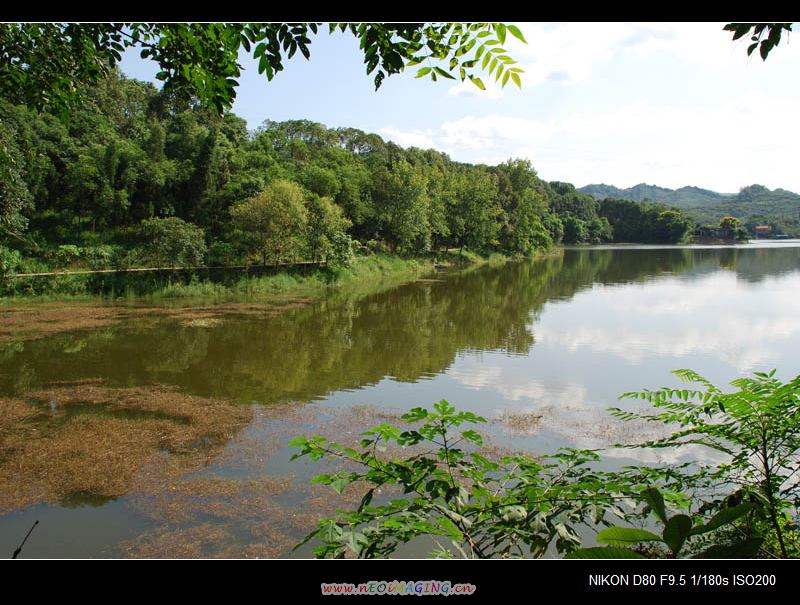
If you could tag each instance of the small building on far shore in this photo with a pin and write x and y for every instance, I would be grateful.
(762, 231)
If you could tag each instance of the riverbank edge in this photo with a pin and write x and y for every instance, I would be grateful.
(365, 272)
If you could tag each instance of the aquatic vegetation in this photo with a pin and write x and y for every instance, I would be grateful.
(89, 441)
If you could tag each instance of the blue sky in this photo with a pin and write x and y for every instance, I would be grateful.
(621, 103)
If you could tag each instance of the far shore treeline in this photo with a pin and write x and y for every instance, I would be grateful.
(134, 179)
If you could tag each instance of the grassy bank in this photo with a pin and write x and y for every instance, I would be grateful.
(220, 284)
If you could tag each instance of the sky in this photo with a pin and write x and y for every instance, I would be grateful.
(668, 104)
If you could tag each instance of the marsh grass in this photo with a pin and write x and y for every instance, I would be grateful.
(255, 516)
(221, 284)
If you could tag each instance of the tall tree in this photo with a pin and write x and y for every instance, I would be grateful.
(274, 221)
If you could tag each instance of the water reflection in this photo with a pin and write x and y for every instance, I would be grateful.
(630, 303)
(546, 345)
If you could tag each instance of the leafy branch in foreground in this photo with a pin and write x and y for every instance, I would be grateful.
(519, 505)
(470, 505)
(773, 38)
(756, 427)
(678, 530)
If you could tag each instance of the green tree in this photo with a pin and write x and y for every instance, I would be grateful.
(327, 228)
(673, 226)
(15, 196)
(475, 505)
(319, 180)
(599, 230)
(526, 231)
(403, 207)
(274, 222)
(173, 242)
(9, 261)
(473, 219)
(757, 427)
(731, 228)
(471, 505)
(575, 231)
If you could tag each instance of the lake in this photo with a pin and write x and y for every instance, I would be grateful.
(162, 432)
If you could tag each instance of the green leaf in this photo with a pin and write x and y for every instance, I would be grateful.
(655, 500)
(676, 531)
(339, 483)
(517, 33)
(354, 541)
(500, 29)
(444, 74)
(723, 517)
(603, 552)
(740, 550)
(452, 530)
(298, 442)
(513, 513)
(473, 436)
(329, 531)
(626, 535)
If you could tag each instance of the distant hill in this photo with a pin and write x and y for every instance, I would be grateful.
(680, 198)
(754, 204)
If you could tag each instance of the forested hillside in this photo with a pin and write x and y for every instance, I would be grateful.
(753, 205)
(683, 197)
(135, 178)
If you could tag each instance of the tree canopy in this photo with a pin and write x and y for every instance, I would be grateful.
(42, 65)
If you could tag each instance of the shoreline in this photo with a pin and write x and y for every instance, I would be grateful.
(217, 285)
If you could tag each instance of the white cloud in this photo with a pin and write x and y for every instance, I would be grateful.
(568, 53)
(741, 141)
(493, 90)
(728, 120)
(412, 138)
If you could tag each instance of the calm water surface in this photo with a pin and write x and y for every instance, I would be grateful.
(560, 338)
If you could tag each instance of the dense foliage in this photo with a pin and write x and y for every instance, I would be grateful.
(289, 191)
(475, 504)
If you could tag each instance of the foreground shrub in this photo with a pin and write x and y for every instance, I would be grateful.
(471, 505)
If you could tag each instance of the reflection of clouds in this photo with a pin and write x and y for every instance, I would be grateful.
(564, 409)
(479, 377)
(674, 317)
(669, 296)
(514, 387)
(670, 456)
(675, 296)
(742, 342)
